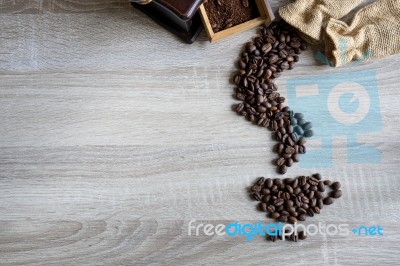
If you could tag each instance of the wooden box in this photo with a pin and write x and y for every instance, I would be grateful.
(266, 17)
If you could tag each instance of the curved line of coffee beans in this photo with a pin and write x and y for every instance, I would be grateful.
(276, 49)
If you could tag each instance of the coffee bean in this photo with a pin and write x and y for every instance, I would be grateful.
(313, 181)
(263, 207)
(318, 194)
(256, 196)
(271, 208)
(301, 211)
(336, 185)
(278, 181)
(274, 215)
(292, 219)
(289, 162)
(308, 133)
(307, 126)
(278, 202)
(256, 188)
(283, 219)
(266, 48)
(327, 182)
(265, 191)
(268, 183)
(321, 186)
(298, 130)
(336, 194)
(282, 169)
(328, 201)
(302, 235)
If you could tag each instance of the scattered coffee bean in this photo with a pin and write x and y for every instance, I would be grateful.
(328, 201)
(336, 185)
(336, 194)
(308, 133)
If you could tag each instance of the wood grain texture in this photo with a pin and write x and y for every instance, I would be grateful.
(114, 135)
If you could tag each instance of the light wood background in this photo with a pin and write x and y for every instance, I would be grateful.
(114, 135)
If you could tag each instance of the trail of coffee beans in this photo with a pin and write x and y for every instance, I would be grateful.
(276, 49)
(293, 199)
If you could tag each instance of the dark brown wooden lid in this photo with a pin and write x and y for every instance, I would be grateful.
(183, 8)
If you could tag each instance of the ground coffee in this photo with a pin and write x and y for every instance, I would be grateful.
(224, 14)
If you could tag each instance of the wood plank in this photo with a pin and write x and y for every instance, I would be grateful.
(115, 134)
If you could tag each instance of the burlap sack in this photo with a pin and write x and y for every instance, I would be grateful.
(309, 16)
(374, 32)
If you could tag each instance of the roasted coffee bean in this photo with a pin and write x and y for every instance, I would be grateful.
(289, 189)
(278, 181)
(292, 219)
(308, 133)
(260, 181)
(289, 150)
(289, 203)
(327, 182)
(283, 219)
(321, 186)
(268, 183)
(313, 181)
(297, 191)
(302, 235)
(336, 194)
(282, 169)
(284, 213)
(256, 196)
(302, 180)
(278, 202)
(289, 162)
(306, 186)
(256, 188)
(320, 203)
(274, 215)
(313, 202)
(318, 195)
(336, 185)
(271, 208)
(328, 201)
(301, 211)
(266, 198)
(265, 191)
(263, 207)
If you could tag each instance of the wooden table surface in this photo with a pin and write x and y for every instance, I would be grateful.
(114, 135)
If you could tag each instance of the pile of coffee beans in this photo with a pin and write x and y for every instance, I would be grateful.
(293, 199)
(263, 60)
